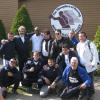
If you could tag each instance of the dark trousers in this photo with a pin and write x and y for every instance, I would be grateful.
(9, 81)
(40, 83)
(91, 74)
(21, 63)
(92, 89)
(75, 92)
(29, 81)
(68, 93)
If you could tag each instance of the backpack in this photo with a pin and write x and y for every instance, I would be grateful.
(91, 51)
(90, 48)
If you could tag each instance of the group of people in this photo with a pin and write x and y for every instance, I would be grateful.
(65, 64)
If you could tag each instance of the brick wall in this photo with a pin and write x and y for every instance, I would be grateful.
(7, 11)
(39, 11)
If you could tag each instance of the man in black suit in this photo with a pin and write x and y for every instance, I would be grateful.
(22, 46)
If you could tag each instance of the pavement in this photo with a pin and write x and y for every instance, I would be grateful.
(27, 96)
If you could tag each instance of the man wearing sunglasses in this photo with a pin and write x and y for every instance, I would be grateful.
(9, 75)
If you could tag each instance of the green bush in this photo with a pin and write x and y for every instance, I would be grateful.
(97, 43)
(21, 18)
(2, 30)
(97, 40)
(97, 72)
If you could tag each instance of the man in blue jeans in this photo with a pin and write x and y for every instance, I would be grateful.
(76, 80)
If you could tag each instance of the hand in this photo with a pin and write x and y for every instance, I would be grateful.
(3, 41)
(83, 86)
(53, 85)
(46, 80)
(31, 69)
(90, 65)
(45, 67)
(10, 74)
(56, 65)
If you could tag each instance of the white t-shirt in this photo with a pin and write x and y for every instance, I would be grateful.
(66, 59)
(22, 38)
(36, 42)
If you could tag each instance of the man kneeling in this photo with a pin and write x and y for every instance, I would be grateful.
(9, 75)
(76, 80)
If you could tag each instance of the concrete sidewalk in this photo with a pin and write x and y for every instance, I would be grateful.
(26, 96)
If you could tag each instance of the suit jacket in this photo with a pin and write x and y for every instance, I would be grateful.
(22, 48)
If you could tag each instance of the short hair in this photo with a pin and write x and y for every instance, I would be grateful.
(21, 27)
(83, 33)
(58, 31)
(36, 28)
(74, 58)
(51, 58)
(13, 60)
(46, 32)
(36, 52)
(65, 46)
(10, 33)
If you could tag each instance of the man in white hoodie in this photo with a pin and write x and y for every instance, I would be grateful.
(88, 55)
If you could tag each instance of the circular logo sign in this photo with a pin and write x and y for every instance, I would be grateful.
(66, 17)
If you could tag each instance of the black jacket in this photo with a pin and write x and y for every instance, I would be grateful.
(23, 48)
(37, 67)
(8, 50)
(61, 59)
(52, 73)
(4, 74)
(57, 46)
